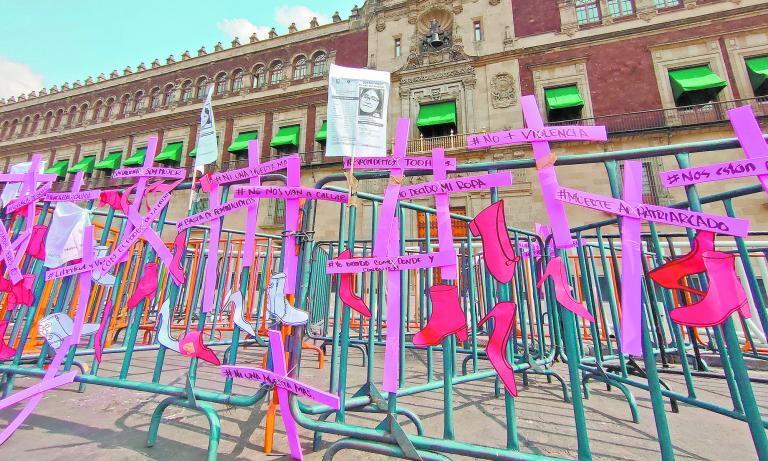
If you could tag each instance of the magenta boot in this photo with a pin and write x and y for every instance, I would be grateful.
(724, 297)
(499, 255)
(347, 290)
(6, 351)
(447, 317)
(36, 247)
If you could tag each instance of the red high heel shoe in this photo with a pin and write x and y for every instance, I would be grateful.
(447, 317)
(6, 351)
(499, 255)
(504, 315)
(146, 288)
(347, 290)
(669, 275)
(177, 270)
(36, 246)
(725, 295)
(556, 269)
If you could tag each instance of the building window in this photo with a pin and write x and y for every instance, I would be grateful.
(276, 72)
(653, 192)
(83, 112)
(237, 80)
(97, 112)
(46, 121)
(277, 212)
(398, 48)
(170, 95)
(695, 85)
(57, 120)
(563, 103)
(757, 68)
(477, 30)
(437, 119)
(319, 64)
(186, 91)
(221, 84)
(259, 77)
(202, 88)
(587, 12)
(660, 4)
(300, 68)
(620, 8)
(71, 116)
(154, 100)
(138, 103)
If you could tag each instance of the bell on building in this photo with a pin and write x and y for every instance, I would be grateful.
(435, 41)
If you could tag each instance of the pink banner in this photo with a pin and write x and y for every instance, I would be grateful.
(232, 176)
(72, 196)
(393, 263)
(290, 193)
(683, 218)
(150, 172)
(217, 212)
(531, 135)
(468, 183)
(631, 265)
(388, 163)
(24, 201)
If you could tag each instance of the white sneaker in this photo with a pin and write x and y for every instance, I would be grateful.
(279, 307)
(238, 312)
(97, 276)
(164, 327)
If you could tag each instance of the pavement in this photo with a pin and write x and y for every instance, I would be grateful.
(111, 424)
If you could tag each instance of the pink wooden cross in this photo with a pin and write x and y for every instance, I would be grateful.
(292, 193)
(50, 380)
(285, 386)
(633, 211)
(253, 173)
(539, 136)
(755, 148)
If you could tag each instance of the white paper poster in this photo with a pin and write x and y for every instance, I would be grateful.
(207, 146)
(357, 112)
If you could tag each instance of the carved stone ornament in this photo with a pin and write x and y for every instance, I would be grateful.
(494, 2)
(502, 90)
(435, 93)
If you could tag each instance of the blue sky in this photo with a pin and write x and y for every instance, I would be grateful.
(48, 42)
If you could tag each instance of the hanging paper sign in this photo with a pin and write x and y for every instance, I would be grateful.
(72, 196)
(357, 112)
(468, 183)
(675, 217)
(396, 263)
(290, 193)
(527, 135)
(232, 176)
(214, 213)
(24, 201)
(387, 163)
(150, 172)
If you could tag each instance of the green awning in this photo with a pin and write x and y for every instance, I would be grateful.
(137, 159)
(110, 162)
(322, 133)
(286, 136)
(241, 142)
(193, 153)
(695, 79)
(85, 165)
(171, 153)
(59, 168)
(758, 71)
(564, 97)
(443, 113)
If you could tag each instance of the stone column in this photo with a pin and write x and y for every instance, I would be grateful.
(568, 23)
(470, 125)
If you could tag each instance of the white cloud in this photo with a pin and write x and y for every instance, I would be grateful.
(17, 78)
(301, 15)
(242, 28)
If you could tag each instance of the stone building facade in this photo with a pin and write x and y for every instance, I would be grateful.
(458, 67)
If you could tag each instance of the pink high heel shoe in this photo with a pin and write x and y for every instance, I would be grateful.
(192, 345)
(725, 295)
(347, 290)
(447, 317)
(504, 315)
(36, 246)
(146, 288)
(499, 255)
(177, 270)
(6, 351)
(556, 269)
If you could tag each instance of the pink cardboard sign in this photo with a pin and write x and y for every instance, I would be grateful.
(675, 217)
(526, 135)
(388, 163)
(150, 172)
(631, 265)
(469, 183)
(390, 263)
(214, 213)
(72, 196)
(290, 193)
(29, 199)
(233, 176)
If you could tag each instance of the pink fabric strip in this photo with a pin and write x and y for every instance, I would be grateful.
(253, 210)
(391, 263)
(750, 136)
(391, 193)
(388, 163)
(72, 196)
(214, 213)
(291, 385)
(290, 193)
(631, 265)
(526, 135)
(212, 263)
(561, 231)
(443, 207)
(468, 183)
(675, 217)
(148, 171)
(392, 347)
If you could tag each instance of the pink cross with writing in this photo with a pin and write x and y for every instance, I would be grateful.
(280, 378)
